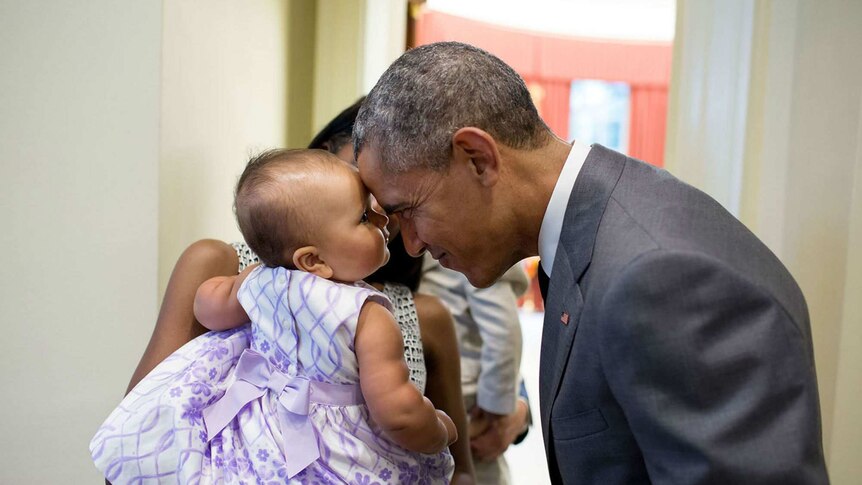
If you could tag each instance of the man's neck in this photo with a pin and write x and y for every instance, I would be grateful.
(532, 179)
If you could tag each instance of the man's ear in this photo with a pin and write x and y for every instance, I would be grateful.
(478, 149)
(307, 258)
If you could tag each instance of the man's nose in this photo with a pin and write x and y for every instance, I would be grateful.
(412, 244)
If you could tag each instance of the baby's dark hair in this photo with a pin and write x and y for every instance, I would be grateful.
(271, 199)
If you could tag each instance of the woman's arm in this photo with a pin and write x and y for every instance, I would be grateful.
(443, 387)
(395, 404)
(176, 323)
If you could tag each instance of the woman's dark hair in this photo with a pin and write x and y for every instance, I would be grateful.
(337, 132)
(401, 268)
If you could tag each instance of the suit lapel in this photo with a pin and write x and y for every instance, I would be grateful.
(587, 202)
(595, 184)
(562, 314)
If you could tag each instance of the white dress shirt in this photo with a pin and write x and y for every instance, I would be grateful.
(552, 223)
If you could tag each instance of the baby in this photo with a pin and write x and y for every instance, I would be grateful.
(322, 392)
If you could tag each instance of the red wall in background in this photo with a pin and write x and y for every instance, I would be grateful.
(549, 63)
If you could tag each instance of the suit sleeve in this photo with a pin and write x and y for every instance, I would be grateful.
(714, 376)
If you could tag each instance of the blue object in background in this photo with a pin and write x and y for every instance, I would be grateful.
(599, 113)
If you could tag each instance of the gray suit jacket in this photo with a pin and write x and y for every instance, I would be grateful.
(676, 347)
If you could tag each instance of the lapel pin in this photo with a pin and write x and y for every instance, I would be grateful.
(565, 318)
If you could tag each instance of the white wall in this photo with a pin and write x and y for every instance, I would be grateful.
(123, 127)
(799, 183)
(79, 121)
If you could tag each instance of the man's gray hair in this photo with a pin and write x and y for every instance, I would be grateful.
(431, 92)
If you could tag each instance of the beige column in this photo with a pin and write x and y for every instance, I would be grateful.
(224, 82)
(355, 42)
(845, 465)
(709, 96)
(338, 58)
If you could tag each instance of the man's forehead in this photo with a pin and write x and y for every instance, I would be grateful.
(393, 197)
(392, 191)
(368, 163)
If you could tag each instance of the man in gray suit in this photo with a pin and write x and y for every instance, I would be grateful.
(676, 347)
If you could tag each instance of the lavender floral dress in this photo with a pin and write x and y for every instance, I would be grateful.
(277, 404)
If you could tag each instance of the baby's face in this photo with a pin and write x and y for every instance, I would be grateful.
(353, 237)
(346, 154)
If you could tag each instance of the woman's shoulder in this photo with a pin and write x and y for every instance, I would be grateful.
(209, 248)
(431, 310)
(435, 324)
(209, 254)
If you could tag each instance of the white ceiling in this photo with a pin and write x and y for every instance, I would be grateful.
(646, 20)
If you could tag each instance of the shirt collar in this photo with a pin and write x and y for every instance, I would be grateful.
(552, 223)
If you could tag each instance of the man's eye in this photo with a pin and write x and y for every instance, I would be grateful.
(364, 217)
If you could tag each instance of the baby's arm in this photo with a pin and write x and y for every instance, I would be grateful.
(394, 403)
(216, 304)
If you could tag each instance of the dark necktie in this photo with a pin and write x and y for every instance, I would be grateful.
(543, 282)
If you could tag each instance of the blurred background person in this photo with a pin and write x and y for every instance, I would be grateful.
(489, 341)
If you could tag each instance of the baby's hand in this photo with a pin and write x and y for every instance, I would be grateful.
(449, 425)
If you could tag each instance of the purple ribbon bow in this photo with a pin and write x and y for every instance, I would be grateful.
(254, 377)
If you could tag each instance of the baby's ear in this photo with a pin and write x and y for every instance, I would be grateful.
(307, 258)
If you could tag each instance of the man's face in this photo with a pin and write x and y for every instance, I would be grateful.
(449, 214)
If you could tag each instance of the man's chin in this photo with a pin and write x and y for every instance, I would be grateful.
(476, 276)
(481, 279)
